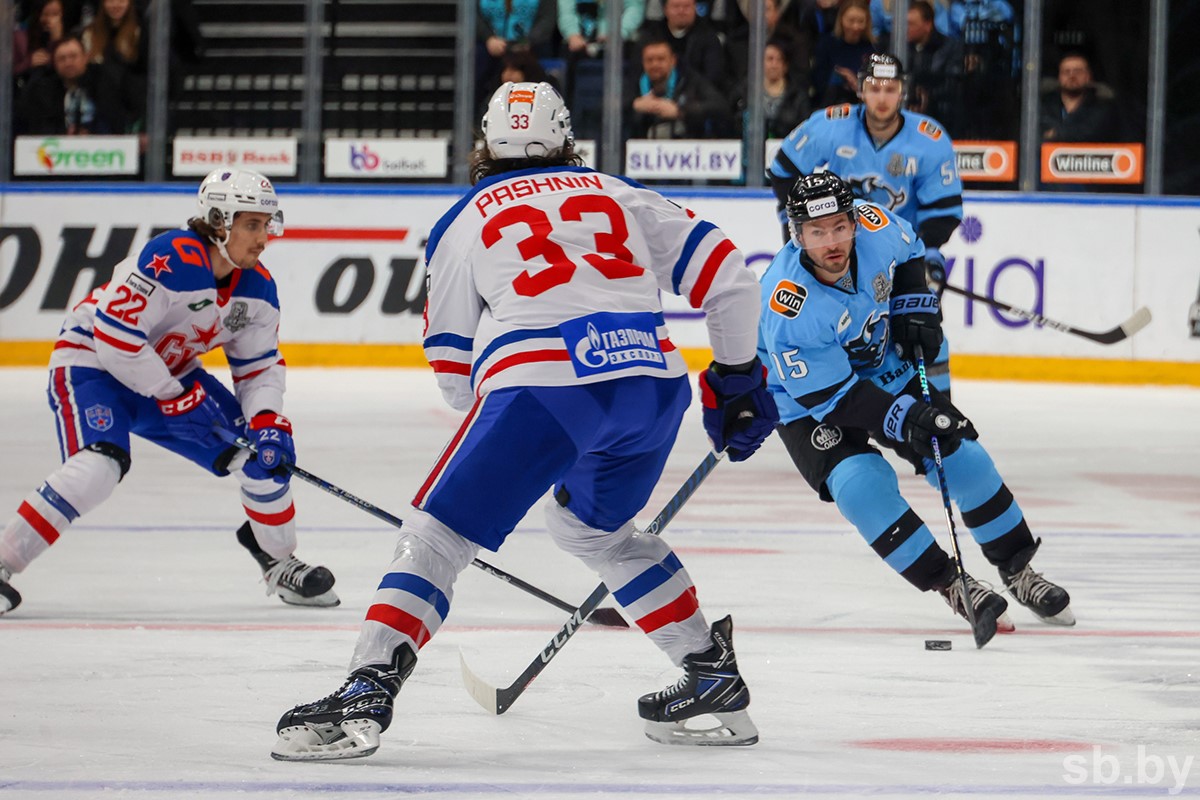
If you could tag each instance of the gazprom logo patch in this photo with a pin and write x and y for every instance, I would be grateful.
(822, 206)
(607, 342)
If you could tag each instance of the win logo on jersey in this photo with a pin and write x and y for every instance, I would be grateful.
(606, 342)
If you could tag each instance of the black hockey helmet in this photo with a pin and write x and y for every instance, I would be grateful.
(881, 66)
(820, 194)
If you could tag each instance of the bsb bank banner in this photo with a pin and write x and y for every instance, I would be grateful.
(350, 267)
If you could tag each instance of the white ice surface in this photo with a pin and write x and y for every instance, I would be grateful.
(146, 662)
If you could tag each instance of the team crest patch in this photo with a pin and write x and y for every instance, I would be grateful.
(99, 418)
(895, 165)
(882, 287)
(237, 318)
(787, 299)
(825, 437)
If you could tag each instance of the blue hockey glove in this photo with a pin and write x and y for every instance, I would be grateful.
(271, 435)
(192, 416)
(917, 320)
(915, 423)
(739, 412)
(935, 271)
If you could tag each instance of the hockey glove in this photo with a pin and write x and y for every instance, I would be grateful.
(271, 435)
(739, 412)
(915, 423)
(192, 415)
(935, 271)
(917, 320)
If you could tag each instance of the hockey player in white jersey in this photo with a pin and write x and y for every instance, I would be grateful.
(127, 362)
(544, 326)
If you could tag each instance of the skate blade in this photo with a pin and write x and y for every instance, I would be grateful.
(1004, 624)
(1065, 618)
(732, 729)
(327, 600)
(357, 738)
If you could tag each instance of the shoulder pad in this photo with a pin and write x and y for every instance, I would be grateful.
(177, 260)
(930, 129)
(838, 112)
(257, 284)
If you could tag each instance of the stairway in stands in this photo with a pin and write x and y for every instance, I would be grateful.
(388, 69)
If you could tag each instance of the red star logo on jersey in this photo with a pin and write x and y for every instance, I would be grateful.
(159, 265)
(204, 336)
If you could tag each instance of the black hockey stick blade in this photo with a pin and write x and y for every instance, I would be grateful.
(984, 628)
(1138, 320)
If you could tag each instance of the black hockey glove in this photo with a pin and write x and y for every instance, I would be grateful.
(917, 320)
(739, 412)
(915, 423)
(935, 271)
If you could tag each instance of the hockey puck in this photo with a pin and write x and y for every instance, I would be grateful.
(937, 644)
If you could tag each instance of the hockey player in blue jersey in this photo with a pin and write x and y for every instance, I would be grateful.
(127, 362)
(544, 326)
(845, 302)
(897, 159)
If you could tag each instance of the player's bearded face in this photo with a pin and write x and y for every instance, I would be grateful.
(882, 98)
(247, 238)
(828, 242)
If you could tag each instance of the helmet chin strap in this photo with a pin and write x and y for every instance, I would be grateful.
(220, 243)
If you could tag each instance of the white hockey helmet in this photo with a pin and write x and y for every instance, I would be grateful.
(226, 191)
(526, 120)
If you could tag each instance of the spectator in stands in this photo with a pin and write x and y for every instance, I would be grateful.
(505, 25)
(46, 29)
(519, 66)
(723, 15)
(935, 68)
(115, 40)
(76, 99)
(781, 17)
(816, 19)
(841, 54)
(668, 101)
(696, 44)
(1080, 110)
(881, 20)
(785, 102)
(20, 45)
(584, 28)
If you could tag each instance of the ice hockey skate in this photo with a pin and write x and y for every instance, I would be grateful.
(347, 723)
(983, 599)
(10, 598)
(711, 687)
(1049, 601)
(295, 582)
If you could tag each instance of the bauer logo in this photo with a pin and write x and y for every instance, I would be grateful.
(826, 437)
(607, 342)
(787, 299)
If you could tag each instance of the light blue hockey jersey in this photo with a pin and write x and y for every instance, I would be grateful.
(817, 340)
(914, 174)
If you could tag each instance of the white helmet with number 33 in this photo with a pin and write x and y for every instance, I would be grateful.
(526, 120)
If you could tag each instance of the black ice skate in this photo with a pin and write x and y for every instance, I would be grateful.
(10, 598)
(983, 600)
(711, 685)
(347, 723)
(1049, 601)
(294, 581)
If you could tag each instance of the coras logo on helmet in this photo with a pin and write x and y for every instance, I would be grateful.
(526, 120)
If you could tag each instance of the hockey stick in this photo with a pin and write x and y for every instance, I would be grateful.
(497, 701)
(609, 617)
(1139, 320)
(983, 626)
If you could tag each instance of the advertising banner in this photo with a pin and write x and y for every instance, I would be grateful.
(386, 158)
(200, 155)
(986, 161)
(1092, 163)
(75, 155)
(683, 159)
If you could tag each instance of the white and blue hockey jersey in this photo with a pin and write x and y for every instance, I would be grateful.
(162, 309)
(817, 340)
(913, 174)
(551, 277)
